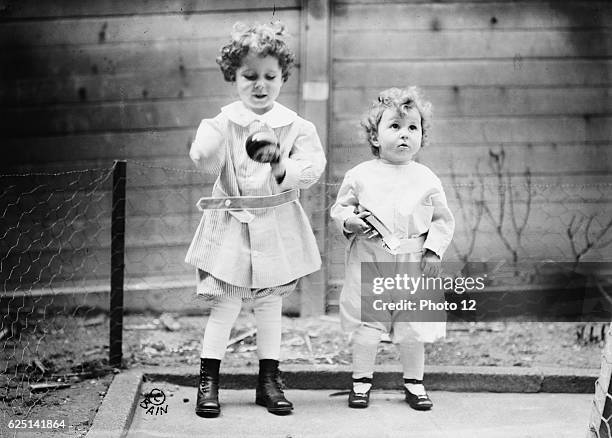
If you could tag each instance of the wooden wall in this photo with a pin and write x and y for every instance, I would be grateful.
(530, 77)
(84, 83)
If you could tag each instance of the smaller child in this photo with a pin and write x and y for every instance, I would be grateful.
(408, 199)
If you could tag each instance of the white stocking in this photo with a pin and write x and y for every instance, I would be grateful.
(268, 312)
(222, 317)
(412, 356)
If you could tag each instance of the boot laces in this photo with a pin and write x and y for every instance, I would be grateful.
(276, 382)
(206, 380)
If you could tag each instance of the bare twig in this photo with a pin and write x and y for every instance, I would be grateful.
(505, 193)
(96, 320)
(591, 241)
(35, 387)
(518, 229)
(40, 365)
(497, 164)
(474, 224)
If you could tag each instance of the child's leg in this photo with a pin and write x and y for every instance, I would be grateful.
(223, 315)
(269, 392)
(268, 311)
(365, 345)
(412, 356)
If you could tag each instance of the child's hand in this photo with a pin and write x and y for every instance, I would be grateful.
(267, 154)
(356, 225)
(430, 264)
(278, 169)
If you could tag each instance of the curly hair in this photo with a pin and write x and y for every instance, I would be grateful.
(268, 39)
(400, 99)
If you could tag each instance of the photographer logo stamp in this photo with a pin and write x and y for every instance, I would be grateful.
(154, 403)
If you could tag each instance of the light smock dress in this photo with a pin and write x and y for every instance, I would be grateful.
(264, 250)
(410, 201)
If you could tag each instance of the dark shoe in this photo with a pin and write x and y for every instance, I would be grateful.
(359, 400)
(418, 402)
(207, 403)
(269, 391)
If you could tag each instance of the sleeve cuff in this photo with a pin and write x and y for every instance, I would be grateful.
(292, 175)
(436, 252)
(438, 249)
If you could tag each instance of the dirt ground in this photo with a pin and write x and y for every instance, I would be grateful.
(73, 351)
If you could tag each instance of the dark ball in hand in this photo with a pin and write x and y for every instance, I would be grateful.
(263, 147)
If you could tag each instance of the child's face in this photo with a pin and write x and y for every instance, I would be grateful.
(399, 135)
(258, 81)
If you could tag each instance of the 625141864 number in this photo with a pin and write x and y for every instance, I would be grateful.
(37, 424)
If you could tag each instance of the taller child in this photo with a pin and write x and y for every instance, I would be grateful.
(254, 240)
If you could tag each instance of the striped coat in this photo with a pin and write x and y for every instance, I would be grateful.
(270, 246)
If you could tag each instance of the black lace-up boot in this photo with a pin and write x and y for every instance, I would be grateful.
(207, 403)
(269, 391)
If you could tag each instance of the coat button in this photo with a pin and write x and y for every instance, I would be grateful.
(228, 202)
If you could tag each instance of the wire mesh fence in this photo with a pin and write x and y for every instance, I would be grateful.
(55, 254)
(54, 267)
(600, 424)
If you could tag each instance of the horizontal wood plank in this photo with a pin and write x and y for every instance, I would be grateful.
(420, 2)
(569, 191)
(184, 113)
(31, 9)
(176, 171)
(147, 57)
(491, 101)
(471, 15)
(120, 116)
(207, 83)
(494, 130)
(40, 153)
(381, 74)
(135, 28)
(572, 157)
(485, 44)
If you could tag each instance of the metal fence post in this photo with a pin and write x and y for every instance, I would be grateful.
(117, 263)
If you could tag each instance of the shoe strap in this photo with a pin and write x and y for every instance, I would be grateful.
(363, 380)
(413, 381)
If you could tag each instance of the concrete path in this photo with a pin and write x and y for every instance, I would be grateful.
(455, 415)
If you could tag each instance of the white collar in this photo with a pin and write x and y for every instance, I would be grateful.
(278, 116)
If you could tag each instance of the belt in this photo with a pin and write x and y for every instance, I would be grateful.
(410, 245)
(247, 202)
